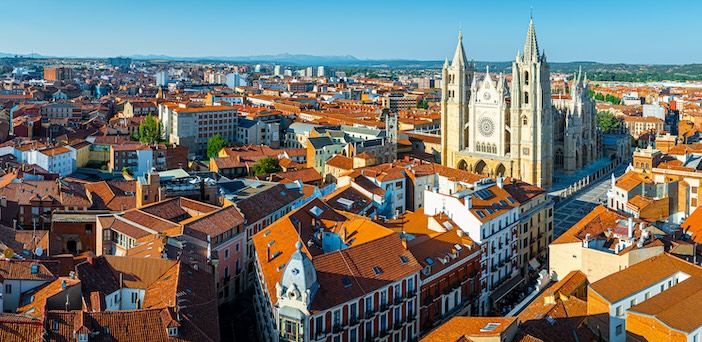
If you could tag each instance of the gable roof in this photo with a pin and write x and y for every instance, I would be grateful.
(640, 276)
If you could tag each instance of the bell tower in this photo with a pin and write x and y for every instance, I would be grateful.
(456, 79)
(532, 121)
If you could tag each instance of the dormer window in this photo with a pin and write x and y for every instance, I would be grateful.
(82, 337)
(526, 77)
(173, 331)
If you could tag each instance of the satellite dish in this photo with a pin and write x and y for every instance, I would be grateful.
(9, 253)
(38, 251)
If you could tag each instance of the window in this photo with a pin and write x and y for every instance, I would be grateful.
(173, 331)
(226, 253)
(369, 330)
(619, 329)
(353, 312)
(353, 335)
(82, 337)
(336, 318)
(632, 302)
(618, 311)
(369, 304)
(410, 285)
(318, 324)
(647, 295)
(526, 97)
(8, 288)
(135, 297)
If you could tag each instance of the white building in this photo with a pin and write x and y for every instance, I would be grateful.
(236, 79)
(162, 78)
(60, 159)
(490, 216)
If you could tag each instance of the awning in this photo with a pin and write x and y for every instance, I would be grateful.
(506, 288)
(534, 264)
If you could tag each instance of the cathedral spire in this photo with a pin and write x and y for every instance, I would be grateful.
(531, 46)
(459, 58)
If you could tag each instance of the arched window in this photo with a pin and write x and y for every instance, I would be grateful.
(526, 77)
(526, 97)
(524, 120)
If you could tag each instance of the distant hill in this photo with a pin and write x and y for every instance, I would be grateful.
(595, 71)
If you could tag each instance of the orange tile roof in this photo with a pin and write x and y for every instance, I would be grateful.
(631, 180)
(693, 225)
(341, 162)
(677, 307)
(18, 328)
(367, 242)
(38, 298)
(54, 151)
(641, 275)
(460, 328)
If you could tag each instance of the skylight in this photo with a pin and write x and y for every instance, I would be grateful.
(489, 327)
(429, 261)
(377, 270)
(403, 259)
(316, 211)
(346, 281)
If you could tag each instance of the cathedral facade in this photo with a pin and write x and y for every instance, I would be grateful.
(494, 128)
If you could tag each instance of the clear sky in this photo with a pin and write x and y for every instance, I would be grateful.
(642, 31)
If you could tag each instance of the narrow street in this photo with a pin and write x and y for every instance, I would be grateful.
(571, 210)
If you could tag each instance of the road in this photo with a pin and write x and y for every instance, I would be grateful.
(571, 210)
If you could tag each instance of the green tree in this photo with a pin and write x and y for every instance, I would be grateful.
(265, 166)
(214, 144)
(150, 131)
(608, 121)
(599, 97)
(423, 104)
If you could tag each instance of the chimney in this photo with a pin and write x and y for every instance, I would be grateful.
(404, 242)
(468, 201)
(500, 182)
(630, 227)
(459, 232)
(268, 254)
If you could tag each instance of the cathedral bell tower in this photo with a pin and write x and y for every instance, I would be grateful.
(532, 121)
(456, 79)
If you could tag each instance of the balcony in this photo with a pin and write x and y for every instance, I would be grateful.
(320, 335)
(384, 307)
(411, 294)
(353, 322)
(397, 300)
(369, 314)
(336, 328)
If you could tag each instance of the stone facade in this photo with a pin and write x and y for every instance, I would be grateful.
(495, 129)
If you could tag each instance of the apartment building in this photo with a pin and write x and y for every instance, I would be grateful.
(191, 125)
(638, 125)
(58, 73)
(257, 132)
(450, 261)
(489, 216)
(323, 274)
(630, 295)
(601, 243)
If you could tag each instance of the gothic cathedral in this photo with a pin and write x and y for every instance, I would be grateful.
(496, 129)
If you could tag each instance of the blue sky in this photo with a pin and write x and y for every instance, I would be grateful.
(643, 31)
